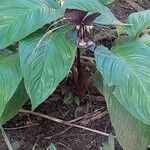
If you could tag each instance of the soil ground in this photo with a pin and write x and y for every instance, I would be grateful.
(35, 130)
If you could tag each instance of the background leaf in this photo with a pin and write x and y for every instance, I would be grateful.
(68, 98)
(128, 68)
(139, 22)
(19, 18)
(110, 145)
(145, 39)
(131, 133)
(51, 147)
(45, 66)
(14, 104)
(10, 77)
(106, 17)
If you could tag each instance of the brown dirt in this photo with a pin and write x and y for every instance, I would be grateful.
(73, 139)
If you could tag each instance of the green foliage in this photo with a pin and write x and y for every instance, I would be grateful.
(131, 133)
(14, 104)
(110, 145)
(128, 68)
(27, 17)
(145, 39)
(43, 59)
(69, 98)
(10, 77)
(51, 147)
(45, 64)
(139, 22)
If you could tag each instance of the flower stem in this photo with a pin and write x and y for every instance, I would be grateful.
(79, 69)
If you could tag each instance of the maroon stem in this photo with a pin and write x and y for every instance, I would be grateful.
(79, 65)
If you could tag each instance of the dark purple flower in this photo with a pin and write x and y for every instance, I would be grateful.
(83, 23)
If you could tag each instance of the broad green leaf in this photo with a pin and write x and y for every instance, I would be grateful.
(94, 6)
(10, 77)
(45, 65)
(140, 21)
(19, 18)
(128, 68)
(106, 2)
(14, 104)
(131, 133)
(145, 39)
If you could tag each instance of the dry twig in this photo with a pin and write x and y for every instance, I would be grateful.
(135, 6)
(64, 145)
(63, 122)
(96, 115)
(60, 133)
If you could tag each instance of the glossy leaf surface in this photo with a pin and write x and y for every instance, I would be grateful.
(19, 18)
(128, 68)
(46, 64)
